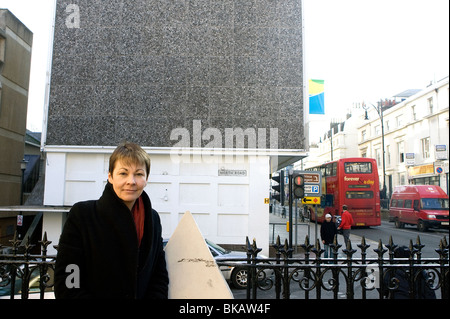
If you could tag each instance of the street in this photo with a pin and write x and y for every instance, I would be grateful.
(401, 237)
(430, 238)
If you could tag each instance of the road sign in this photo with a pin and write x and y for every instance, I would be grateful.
(311, 200)
(312, 178)
(312, 181)
(313, 189)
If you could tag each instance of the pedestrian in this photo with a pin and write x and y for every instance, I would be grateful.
(346, 224)
(397, 281)
(112, 247)
(327, 232)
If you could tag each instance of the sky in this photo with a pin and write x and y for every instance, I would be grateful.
(364, 50)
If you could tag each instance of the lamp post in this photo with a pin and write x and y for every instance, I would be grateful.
(379, 110)
(23, 167)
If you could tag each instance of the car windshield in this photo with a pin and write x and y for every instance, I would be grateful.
(217, 247)
(435, 203)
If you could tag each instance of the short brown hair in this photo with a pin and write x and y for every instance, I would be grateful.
(129, 153)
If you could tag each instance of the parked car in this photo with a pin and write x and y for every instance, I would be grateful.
(33, 284)
(235, 275)
(423, 205)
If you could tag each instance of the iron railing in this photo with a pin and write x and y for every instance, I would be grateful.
(350, 277)
(349, 273)
(22, 272)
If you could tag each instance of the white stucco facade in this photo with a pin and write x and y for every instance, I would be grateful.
(416, 139)
(225, 193)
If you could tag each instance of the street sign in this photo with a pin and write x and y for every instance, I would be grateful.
(311, 200)
(312, 181)
(312, 178)
(313, 189)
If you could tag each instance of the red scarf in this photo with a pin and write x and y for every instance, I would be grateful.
(139, 216)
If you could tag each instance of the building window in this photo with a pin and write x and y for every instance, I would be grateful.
(2, 49)
(363, 135)
(378, 156)
(399, 121)
(402, 179)
(413, 113)
(430, 105)
(388, 154)
(425, 142)
(377, 130)
(401, 152)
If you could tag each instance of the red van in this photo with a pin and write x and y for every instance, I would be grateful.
(423, 205)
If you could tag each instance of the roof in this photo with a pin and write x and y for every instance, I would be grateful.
(33, 138)
(407, 93)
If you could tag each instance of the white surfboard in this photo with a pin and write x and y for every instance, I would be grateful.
(193, 272)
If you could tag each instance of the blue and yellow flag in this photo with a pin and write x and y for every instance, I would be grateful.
(316, 97)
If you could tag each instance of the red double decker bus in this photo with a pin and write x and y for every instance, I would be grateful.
(353, 182)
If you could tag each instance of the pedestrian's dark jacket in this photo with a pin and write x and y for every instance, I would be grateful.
(397, 285)
(100, 238)
(327, 232)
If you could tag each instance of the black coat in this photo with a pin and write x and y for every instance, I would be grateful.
(100, 238)
(327, 232)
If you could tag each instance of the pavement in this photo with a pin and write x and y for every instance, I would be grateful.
(301, 229)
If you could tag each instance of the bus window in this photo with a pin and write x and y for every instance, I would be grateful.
(329, 200)
(358, 195)
(328, 170)
(400, 203)
(334, 169)
(358, 168)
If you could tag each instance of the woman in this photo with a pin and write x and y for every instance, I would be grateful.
(112, 247)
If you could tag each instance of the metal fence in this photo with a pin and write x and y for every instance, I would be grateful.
(350, 277)
(348, 273)
(22, 272)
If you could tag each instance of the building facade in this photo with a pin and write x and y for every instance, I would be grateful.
(212, 89)
(416, 139)
(16, 41)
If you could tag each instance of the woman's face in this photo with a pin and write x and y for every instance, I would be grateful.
(128, 181)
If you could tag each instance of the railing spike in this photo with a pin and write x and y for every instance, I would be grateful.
(318, 244)
(306, 240)
(363, 241)
(247, 242)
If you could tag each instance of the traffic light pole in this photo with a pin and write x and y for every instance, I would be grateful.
(291, 199)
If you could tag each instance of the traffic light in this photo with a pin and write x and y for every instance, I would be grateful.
(279, 189)
(298, 185)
